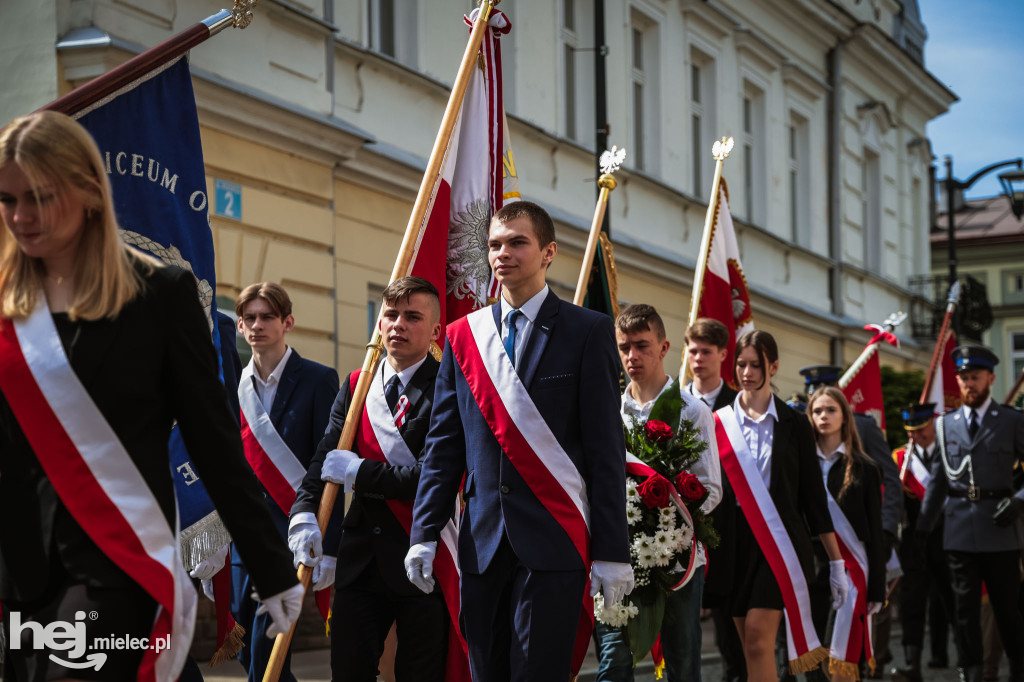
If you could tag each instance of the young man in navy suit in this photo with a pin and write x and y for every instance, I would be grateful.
(285, 404)
(372, 591)
(526, 409)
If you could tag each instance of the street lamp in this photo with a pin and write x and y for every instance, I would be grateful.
(1013, 185)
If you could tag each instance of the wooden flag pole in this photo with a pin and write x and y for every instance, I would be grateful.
(136, 67)
(891, 322)
(375, 349)
(720, 150)
(610, 161)
(940, 343)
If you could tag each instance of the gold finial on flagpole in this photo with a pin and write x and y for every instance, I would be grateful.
(610, 161)
(242, 13)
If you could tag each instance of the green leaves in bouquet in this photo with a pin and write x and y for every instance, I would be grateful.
(668, 405)
(643, 628)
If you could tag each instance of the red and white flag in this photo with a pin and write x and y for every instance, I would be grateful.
(864, 392)
(724, 295)
(477, 177)
(945, 392)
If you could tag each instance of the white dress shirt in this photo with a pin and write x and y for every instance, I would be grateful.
(267, 390)
(981, 412)
(826, 461)
(707, 468)
(760, 435)
(707, 398)
(524, 323)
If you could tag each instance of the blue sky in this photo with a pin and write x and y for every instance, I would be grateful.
(976, 48)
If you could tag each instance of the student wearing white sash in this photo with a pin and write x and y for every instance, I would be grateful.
(101, 350)
(854, 483)
(778, 452)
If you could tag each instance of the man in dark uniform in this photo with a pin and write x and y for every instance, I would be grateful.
(875, 446)
(978, 445)
(924, 566)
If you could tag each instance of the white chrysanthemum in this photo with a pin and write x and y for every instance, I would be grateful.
(617, 615)
(633, 514)
(685, 535)
(667, 518)
(631, 492)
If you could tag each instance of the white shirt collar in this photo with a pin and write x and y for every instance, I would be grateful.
(711, 396)
(834, 455)
(275, 375)
(406, 375)
(530, 309)
(982, 411)
(632, 406)
(744, 416)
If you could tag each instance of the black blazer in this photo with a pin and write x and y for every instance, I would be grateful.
(862, 506)
(150, 365)
(718, 584)
(371, 536)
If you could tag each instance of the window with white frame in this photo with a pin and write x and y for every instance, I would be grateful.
(381, 26)
(753, 143)
(702, 120)
(391, 29)
(577, 71)
(871, 190)
(644, 76)
(1016, 355)
(798, 154)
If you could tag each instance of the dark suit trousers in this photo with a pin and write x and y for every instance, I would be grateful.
(361, 617)
(1000, 573)
(925, 576)
(508, 608)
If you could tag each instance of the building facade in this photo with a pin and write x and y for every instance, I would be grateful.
(323, 113)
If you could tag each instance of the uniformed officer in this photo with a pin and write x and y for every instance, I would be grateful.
(924, 566)
(978, 445)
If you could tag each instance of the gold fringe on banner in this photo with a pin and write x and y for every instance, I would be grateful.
(232, 645)
(844, 668)
(809, 661)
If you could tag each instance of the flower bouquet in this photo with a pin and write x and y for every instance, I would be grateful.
(663, 501)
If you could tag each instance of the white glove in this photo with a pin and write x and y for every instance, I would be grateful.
(209, 567)
(323, 574)
(208, 589)
(874, 607)
(283, 607)
(340, 466)
(613, 579)
(839, 583)
(419, 565)
(304, 540)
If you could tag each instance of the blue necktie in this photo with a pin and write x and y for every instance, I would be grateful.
(510, 340)
(392, 391)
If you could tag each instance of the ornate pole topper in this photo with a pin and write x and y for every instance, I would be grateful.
(884, 334)
(611, 159)
(720, 151)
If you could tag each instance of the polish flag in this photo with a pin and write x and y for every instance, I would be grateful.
(945, 392)
(477, 177)
(724, 295)
(864, 391)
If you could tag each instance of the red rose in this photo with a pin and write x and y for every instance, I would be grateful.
(654, 491)
(690, 487)
(658, 431)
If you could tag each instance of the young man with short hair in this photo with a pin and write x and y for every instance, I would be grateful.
(640, 336)
(285, 402)
(707, 345)
(978, 445)
(526, 412)
(381, 472)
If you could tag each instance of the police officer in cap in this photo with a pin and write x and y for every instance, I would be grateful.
(924, 565)
(978, 445)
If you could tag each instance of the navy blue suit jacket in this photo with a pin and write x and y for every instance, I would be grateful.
(570, 368)
(301, 412)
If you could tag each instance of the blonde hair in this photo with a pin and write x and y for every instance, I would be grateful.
(854, 456)
(56, 153)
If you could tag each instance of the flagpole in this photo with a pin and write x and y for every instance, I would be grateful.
(720, 150)
(610, 161)
(110, 82)
(375, 349)
(890, 324)
(1015, 389)
(940, 343)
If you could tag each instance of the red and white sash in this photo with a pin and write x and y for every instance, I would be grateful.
(378, 438)
(851, 633)
(805, 650)
(277, 467)
(96, 479)
(913, 472)
(526, 439)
